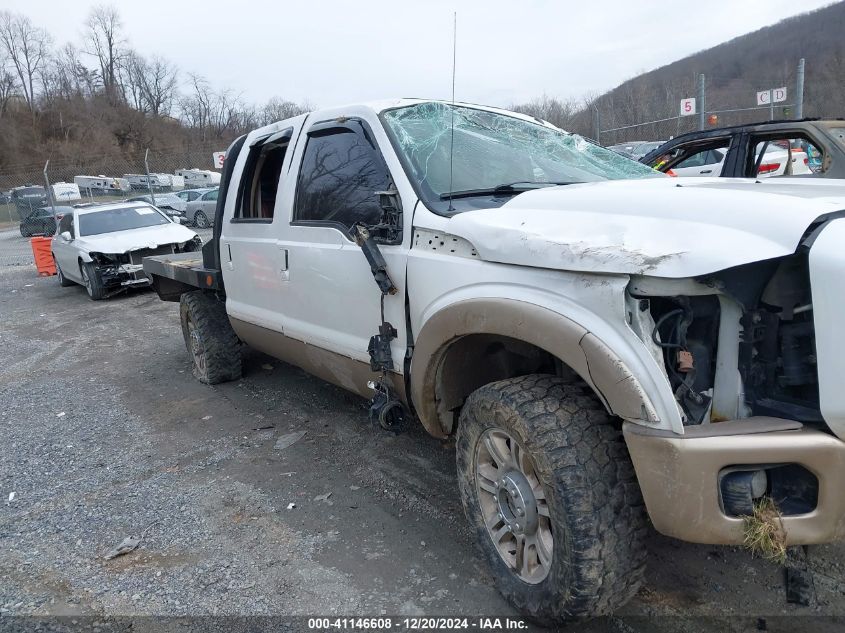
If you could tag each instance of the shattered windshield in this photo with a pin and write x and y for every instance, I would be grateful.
(494, 155)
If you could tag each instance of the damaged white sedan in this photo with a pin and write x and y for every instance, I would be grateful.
(102, 247)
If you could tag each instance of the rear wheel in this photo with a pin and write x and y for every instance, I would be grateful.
(212, 343)
(91, 280)
(549, 488)
(201, 220)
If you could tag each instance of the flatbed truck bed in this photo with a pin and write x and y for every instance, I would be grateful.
(172, 275)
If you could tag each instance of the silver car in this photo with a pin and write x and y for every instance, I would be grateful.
(171, 204)
(200, 212)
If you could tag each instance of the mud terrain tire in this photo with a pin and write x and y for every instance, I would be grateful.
(212, 343)
(580, 464)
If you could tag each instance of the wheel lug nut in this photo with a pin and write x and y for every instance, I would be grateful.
(520, 511)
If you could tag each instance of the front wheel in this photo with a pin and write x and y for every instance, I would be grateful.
(91, 280)
(549, 488)
(201, 220)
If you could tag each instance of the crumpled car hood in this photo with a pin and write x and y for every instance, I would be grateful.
(148, 237)
(663, 227)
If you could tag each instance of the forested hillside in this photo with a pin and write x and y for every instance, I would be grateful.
(734, 71)
(95, 105)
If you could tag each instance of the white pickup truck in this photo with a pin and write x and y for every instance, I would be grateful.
(606, 344)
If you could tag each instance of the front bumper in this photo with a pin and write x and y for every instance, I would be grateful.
(679, 477)
(123, 275)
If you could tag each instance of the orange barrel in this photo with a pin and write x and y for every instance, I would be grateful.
(43, 256)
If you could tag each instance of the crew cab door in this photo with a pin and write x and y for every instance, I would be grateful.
(66, 253)
(254, 264)
(330, 298)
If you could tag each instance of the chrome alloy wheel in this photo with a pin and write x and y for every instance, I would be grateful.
(513, 505)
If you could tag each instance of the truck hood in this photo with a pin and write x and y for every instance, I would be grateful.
(125, 241)
(664, 227)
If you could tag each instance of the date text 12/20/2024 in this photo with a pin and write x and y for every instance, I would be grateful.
(386, 623)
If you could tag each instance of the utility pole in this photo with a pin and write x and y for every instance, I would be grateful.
(701, 103)
(50, 197)
(799, 90)
(147, 171)
(771, 104)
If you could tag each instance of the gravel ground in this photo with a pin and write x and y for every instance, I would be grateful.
(106, 434)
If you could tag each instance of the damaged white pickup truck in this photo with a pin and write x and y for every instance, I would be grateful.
(607, 344)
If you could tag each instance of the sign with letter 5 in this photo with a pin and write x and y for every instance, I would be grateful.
(687, 106)
(218, 158)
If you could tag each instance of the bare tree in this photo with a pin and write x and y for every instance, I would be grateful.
(216, 113)
(157, 80)
(7, 89)
(105, 40)
(549, 109)
(277, 109)
(27, 47)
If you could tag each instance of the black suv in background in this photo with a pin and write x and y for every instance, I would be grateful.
(743, 151)
(42, 222)
(28, 198)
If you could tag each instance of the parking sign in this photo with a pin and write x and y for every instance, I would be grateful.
(778, 95)
(688, 106)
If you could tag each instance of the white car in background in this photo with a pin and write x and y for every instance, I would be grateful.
(102, 247)
(774, 162)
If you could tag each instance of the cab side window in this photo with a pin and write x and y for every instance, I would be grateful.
(341, 174)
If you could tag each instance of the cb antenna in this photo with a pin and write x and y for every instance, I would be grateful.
(452, 141)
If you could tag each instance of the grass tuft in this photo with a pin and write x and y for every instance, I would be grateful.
(763, 532)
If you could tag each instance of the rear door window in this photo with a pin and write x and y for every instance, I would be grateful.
(784, 156)
(259, 184)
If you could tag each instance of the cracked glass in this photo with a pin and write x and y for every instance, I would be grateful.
(494, 155)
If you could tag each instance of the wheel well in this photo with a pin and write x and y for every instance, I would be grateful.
(476, 360)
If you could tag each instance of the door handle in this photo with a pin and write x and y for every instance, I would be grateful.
(706, 171)
(230, 263)
(284, 272)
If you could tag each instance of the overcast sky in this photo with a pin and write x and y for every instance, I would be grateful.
(334, 52)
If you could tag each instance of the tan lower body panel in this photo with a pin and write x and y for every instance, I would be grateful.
(345, 372)
(679, 481)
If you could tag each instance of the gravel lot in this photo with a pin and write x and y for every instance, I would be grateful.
(105, 434)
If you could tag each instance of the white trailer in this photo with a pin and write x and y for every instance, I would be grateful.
(199, 177)
(158, 182)
(177, 183)
(64, 192)
(101, 185)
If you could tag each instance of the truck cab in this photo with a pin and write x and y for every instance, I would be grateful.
(605, 343)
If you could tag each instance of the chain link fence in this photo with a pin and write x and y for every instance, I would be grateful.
(26, 207)
(657, 113)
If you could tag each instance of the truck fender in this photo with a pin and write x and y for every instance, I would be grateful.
(572, 344)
